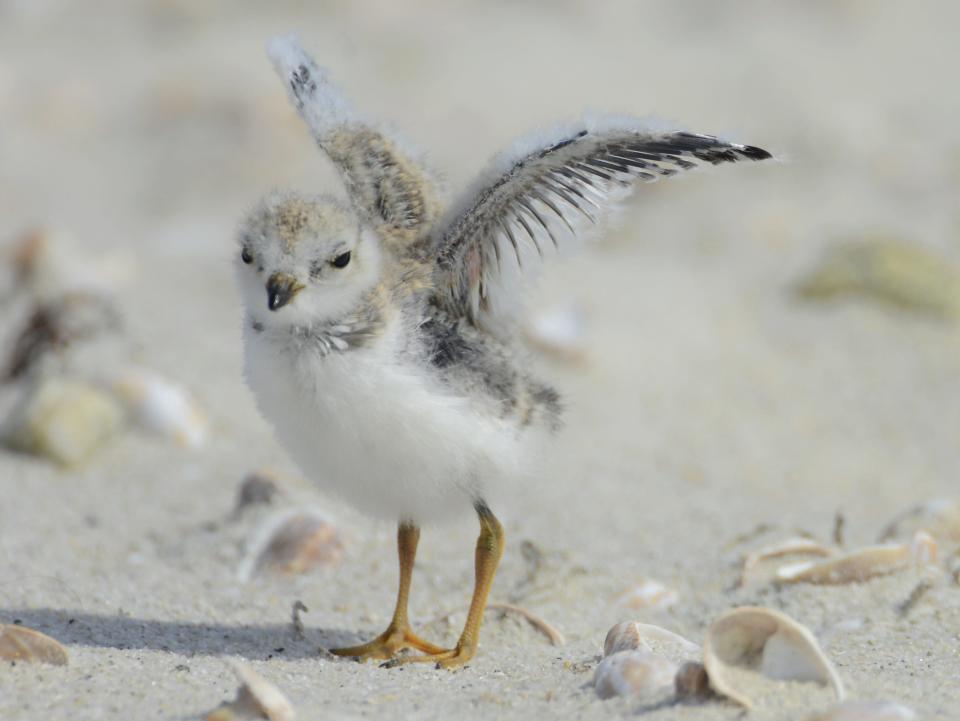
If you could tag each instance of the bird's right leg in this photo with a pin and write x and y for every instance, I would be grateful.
(398, 635)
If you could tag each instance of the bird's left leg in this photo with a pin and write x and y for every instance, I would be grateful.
(398, 635)
(488, 554)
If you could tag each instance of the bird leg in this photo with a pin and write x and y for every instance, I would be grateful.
(488, 553)
(398, 635)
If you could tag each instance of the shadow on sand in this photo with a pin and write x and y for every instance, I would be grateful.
(78, 628)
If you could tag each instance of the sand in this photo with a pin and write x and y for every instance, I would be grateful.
(712, 399)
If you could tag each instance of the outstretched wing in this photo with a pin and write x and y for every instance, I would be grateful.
(543, 195)
(386, 185)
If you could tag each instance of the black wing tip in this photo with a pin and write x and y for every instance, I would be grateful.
(752, 152)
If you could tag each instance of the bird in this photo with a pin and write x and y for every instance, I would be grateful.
(380, 332)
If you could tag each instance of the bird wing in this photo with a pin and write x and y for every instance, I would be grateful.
(386, 185)
(547, 192)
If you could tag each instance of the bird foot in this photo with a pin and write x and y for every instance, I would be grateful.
(452, 658)
(387, 645)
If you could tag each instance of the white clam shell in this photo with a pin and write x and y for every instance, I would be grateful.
(257, 698)
(649, 593)
(633, 673)
(161, 406)
(789, 547)
(864, 563)
(867, 711)
(765, 642)
(634, 636)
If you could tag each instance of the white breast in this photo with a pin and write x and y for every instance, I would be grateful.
(379, 432)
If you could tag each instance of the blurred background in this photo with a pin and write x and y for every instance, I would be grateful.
(771, 343)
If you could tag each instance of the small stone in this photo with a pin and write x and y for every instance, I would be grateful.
(258, 488)
(63, 420)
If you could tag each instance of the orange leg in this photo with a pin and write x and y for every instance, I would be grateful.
(398, 635)
(488, 554)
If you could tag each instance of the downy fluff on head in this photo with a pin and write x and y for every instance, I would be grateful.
(303, 260)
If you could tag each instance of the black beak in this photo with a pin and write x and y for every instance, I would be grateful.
(280, 290)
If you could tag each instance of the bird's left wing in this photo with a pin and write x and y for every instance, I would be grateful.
(386, 184)
(542, 194)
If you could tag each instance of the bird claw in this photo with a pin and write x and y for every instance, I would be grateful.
(387, 645)
(453, 658)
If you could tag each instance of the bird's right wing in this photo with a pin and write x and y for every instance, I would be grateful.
(537, 196)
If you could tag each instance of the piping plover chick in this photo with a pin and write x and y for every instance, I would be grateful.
(379, 335)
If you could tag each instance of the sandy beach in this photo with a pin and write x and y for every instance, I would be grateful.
(714, 409)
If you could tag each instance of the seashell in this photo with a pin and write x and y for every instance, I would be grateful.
(18, 643)
(765, 642)
(890, 271)
(867, 711)
(632, 673)
(649, 593)
(292, 542)
(691, 681)
(257, 698)
(940, 518)
(161, 406)
(63, 420)
(635, 636)
(789, 547)
(863, 563)
(560, 331)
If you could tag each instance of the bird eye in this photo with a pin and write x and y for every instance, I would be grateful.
(246, 257)
(341, 260)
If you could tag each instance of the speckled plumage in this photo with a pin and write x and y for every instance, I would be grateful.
(382, 350)
(396, 379)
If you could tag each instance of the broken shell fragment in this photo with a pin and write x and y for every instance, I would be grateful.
(649, 593)
(864, 563)
(161, 406)
(748, 642)
(257, 698)
(633, 673)
(789, 547)
(63, 420)
(635, 636)
(18, 643)
(293, 542)
(940, 518)
(867, 711)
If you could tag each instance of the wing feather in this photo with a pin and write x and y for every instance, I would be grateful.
(543, 193)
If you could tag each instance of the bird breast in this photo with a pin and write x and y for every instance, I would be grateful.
(378, 430)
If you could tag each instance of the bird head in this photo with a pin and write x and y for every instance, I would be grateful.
(303, 259)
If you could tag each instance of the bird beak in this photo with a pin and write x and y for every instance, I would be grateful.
(280, 290)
